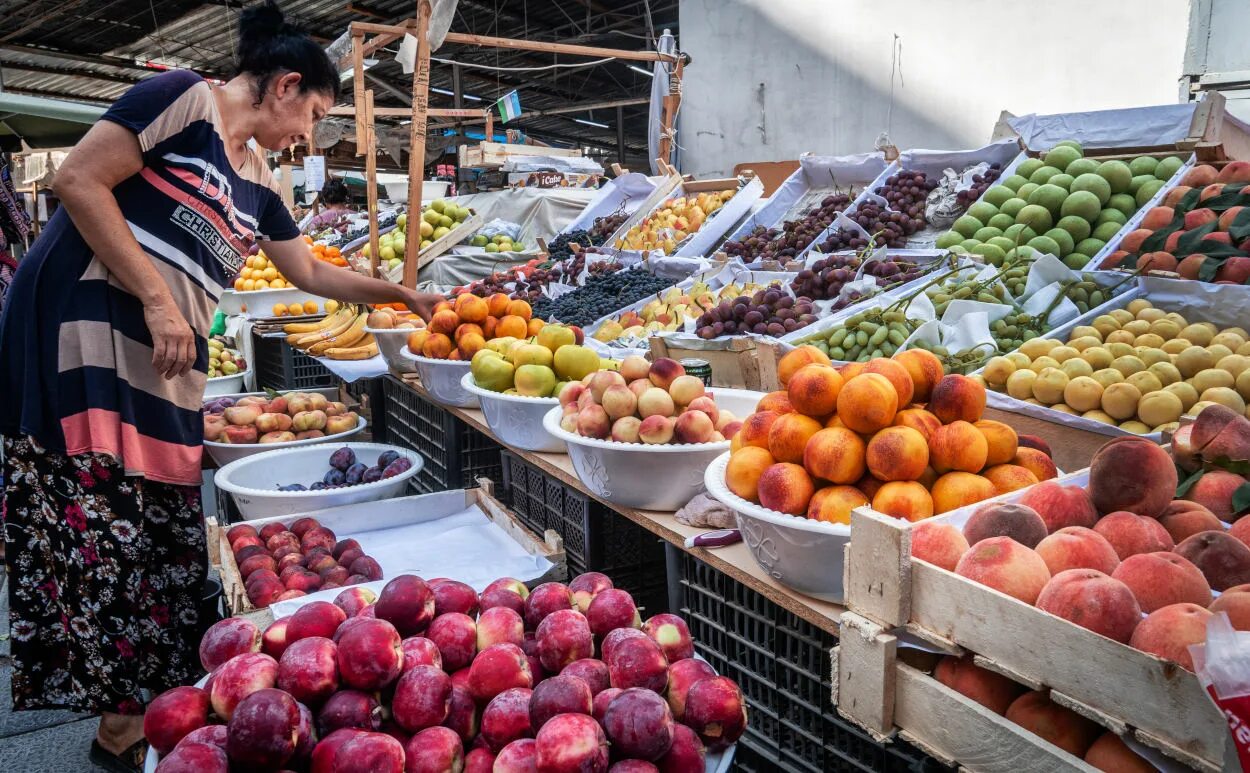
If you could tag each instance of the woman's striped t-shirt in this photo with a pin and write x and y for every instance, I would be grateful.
(75, 353)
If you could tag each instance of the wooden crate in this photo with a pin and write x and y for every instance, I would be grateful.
(738, 363)
(550, 546)
(1071, 448)
(492, 155)
(1125, 690)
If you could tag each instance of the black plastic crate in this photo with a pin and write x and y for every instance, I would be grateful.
(367, 392)
(596, 538)
(282, 367)
(456, 455)
(781, 663)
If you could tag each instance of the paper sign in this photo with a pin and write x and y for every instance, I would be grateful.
(314, 173)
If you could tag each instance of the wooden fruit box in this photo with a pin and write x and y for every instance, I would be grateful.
(1071, 447)
(1129, 692)
(492, 155)
(737, 363)
(549, 545)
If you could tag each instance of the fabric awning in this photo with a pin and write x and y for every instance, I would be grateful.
(43, 123)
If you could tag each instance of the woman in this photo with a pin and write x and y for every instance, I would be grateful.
(103, 360)
(333, 198)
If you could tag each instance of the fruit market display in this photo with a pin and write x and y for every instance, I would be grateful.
(340, 335)
(326, 253)
(279, 563)
(440, 218)
(537, 367)
(275, 419)
(460, 329)
(353, 230)
(600, 295)
(654, 403)
(1120, 556)
(1138, 368)
(1197, 231)
(222, 360)
(431, 677)
(673, 221)
(389, 318)
(1212, 452)
(344, 471)
(670, 310)
(824, 279)
(601, 229)
(895, 433)
(259, 273)
(1061, 204)
(793, 236)
(768, 311)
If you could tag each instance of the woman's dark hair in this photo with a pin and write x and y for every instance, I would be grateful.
(269, 46)
(334, 192)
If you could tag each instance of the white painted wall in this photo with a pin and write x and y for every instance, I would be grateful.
(774, 78)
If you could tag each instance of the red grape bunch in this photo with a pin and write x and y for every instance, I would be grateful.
(770, 311)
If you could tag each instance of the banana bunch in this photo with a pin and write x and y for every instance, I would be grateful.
(339, 336)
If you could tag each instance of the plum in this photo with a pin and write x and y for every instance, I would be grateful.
(343, 459)
(353, 475)
(400, 465)
(385, 458)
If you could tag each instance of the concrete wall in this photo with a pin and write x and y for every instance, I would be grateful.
(774, 78)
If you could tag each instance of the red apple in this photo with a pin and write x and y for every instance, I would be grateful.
(343, 545)
(309, 670)
(462, 713)
(422, 698)
(455, 634)
(420, 651)
(325, 750)
(603, 700)
(545, 599)
(520, 756)
(638, 662)
(434, 750)
(639, 725)
(614, 638)
(227, 638)
(498, 668)
(349, 709)
(263, 731)
(318, 618)
(586, 586)
(240, 530)
(716, 711)
(238, 678)
(682, 675)
(500, 625)
(370, 656)
(453, 596)
(670, 632)
(352, 600)
(407, 603)
(612, 609)
(501, 597)
(559, 695)
(563, 637)
(303, 525)
(213, 735)
(571, 742)
(593, 672)
(370, 753)
(506, 718)
(479, 760)
(687, 753)
(196, 758)
(173, 715)
(318, 536)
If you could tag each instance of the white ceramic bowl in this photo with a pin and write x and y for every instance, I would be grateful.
(648, 477)
(391, 342)
(260, 303)
(516, 419)
(225, 453)
(224, 385)
(797, 552)
(254, 481)
(441, 378)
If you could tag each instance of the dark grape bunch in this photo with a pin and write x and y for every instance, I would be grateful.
(905, 193)
(602, 294)
(604, 227)
(560, 248)
(770, 311)
(825, 278)
(531, 288)
(845, 239)
(794, 235)
(980, 184)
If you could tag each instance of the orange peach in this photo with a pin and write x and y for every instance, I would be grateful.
(957, 398)
(1222, 558)
(833, 504)
(534, 326)
(918, 419)
(940, 544)
(471, 308)
(958, 446)
(470, 344)
(835, 454)
(851, 370)
(1060, 506)
(437, 346)
(795, 359)
(466, 328)
(1241, 530)
(778, 402)
(896, 374)
(1075, 547)
(1037, 713)
(1132, 240)
(755, 429)
(1214, 491)
(1037, 462)
(444, 322)
(1158, 217)
(925, 370)
(957, 489)
(1133, 474)
(903, 499)
(786, 488)
(1176, 194)
(1235, 602)
(520, 309)
(512, 326)
(928, 477)
(1091, 599)
(497, 304)
(1001, 440)
(1167, 632)
(742, 474)
(1005, 519)
(788, 436)
(1160, 579)
(993, 691)
(488, 327)
(834, 421)
(1009, 477)
(1006, 566)
(1200, 176)
(1110, 754)
(867, 403)
(897, 453)
(813, 390)
(1131, 534)
(416, 340)
(869, 485)
(1183, 518)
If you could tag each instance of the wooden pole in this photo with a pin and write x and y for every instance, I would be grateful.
(555, 48)
(490, 125)
(671, 103)
(416, 144)
(371, 181)
(358, 84)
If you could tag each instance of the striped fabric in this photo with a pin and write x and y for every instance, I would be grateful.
(75, 353)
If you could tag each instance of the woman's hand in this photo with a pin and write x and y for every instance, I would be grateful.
(173, 343)
(422, 304)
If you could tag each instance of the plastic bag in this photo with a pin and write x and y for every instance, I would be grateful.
(497, 226)
(1223, 668)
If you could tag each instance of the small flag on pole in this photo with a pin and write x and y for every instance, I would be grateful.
(509, 106)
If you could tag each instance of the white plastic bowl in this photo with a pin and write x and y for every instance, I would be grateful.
(516, 419)
(224, 385)
(260, 303)
(648, 477)
(225, 453)
(391, 344)
(253, 481)
(441, 378)
(797, 552)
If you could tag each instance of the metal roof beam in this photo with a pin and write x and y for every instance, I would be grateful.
(89, 74)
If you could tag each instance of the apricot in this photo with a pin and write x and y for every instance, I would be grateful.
(437, 346)
(1001, 441)
(851, 370)
(1200, 176)
(1037, 462)
(993, 691)
(1158, 217)
(444, 322)
(957, 489)
(1110, 754)
(756, 428)
(813, 390)
(867, 403)
(1075, 547)
(1060, 506)
(1222, 558)
(1091, 599)
(957, 398)
(786, 488)
(497, 304)
(903, 499)
(835, 454)
(940, 544)
(512, 326)
(1005, 519)
(1168, 631)
(958, 446)
(869, 485)
(1214, 491)
(788, 436)
(1132, 240)
(1006, 566)
(897, 453)
(1160, 579)
(1009, 477)
(795, 359)
(918, 419)
(896, 374)
(1037, 713)
(778, 402)
(518, 308)
(742, 473)
(1235, 602)
(1157, 261)
(471, 308)
(925, 370)
(833, 504)
(1184, 518)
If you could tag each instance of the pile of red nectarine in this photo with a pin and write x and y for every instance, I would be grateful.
(279, 562)
(460, 329)
(895, 433)
(434, 677)
(280, 419)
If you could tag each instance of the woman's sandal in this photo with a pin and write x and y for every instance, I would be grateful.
(129, 761)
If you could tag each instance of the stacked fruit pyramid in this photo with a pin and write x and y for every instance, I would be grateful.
(408, 681)
(893, 432)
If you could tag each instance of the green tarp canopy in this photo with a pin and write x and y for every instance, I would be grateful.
(43, 123)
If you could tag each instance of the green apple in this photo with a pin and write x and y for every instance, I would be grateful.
(491, 371)
(402, 221)
(500, 344)
(535, 380)
(478, 241)
(438, 205)
(555, 336)
(573, 363)
(229, 368)
(441, 231)
(532, 354)
(446, 222)
(492, 248)
(431, 217)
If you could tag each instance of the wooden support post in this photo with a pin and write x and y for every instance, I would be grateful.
(416, 143)
(490, 125)
(358, 84)
(371, 180)
(669, 113)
